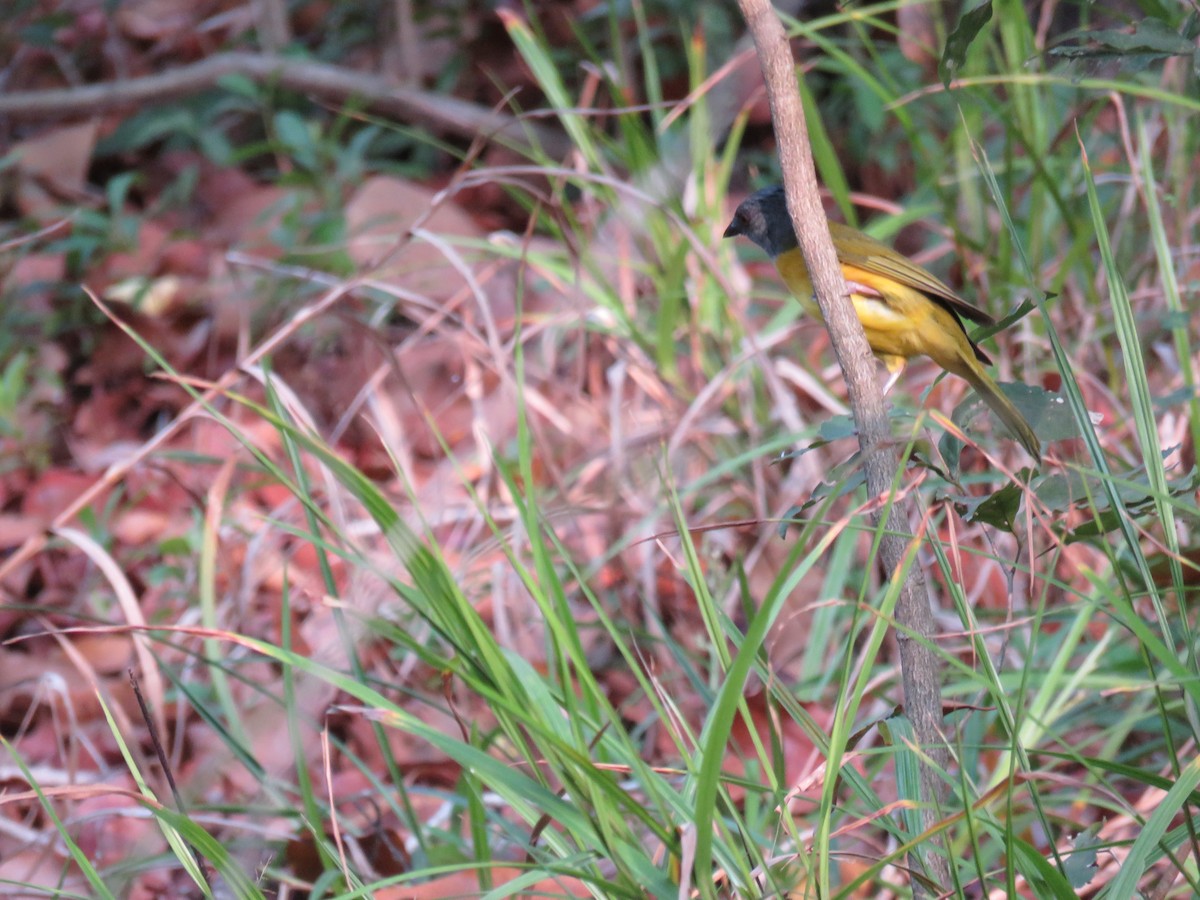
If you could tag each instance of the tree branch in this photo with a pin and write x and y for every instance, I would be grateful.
(445, 114)
(918, 662)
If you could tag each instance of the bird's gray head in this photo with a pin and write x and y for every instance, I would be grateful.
(763, 217)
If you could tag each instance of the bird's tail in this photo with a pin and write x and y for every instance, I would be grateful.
(999, 403)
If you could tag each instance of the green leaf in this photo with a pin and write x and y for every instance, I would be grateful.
(998, 510)
(836, 427)
(1151, 37)
(1080, 865)
(1151, 41)
(293, 133)
(1045, 410)
(1052, 883)
(898, 732)
(961, 38)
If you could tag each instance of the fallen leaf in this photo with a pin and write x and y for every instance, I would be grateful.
(52, 167)
(380, 214)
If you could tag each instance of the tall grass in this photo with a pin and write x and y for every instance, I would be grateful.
(732, 593)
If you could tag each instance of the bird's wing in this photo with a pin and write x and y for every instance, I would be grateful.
(890, 264)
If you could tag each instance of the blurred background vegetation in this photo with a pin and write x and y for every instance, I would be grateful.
(522, 547)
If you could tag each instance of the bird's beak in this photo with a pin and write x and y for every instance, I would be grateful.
(732, 230)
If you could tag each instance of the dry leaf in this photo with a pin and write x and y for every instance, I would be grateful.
(52, 168)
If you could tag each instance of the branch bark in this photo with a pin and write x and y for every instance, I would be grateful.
(918, 662)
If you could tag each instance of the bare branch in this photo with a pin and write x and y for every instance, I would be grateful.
(444, 114)
(918, 662)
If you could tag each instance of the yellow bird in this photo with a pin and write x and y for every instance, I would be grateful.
(904, 310)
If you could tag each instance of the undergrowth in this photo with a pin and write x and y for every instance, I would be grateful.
(634, 641)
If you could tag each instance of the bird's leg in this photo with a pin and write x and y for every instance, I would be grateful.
(895, 365)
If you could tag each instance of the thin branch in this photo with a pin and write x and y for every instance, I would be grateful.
(918, 662)
(444, 114)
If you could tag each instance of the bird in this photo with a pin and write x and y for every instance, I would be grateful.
(905, 310)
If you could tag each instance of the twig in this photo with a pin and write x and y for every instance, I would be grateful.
(446, 114)
(918, 662)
